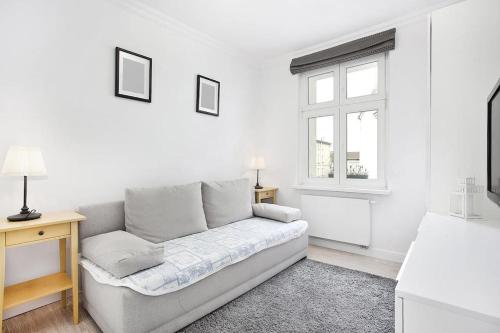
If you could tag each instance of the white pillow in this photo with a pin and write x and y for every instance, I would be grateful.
(121, 253)
(276, 212)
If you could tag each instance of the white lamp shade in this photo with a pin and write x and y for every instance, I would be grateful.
(24, 161)
(258, 163)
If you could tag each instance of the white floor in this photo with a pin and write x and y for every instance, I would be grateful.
(385, 268)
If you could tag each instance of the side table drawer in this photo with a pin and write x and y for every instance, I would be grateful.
(266, 194)
(36, 234)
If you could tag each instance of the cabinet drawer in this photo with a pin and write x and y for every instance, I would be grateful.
(36, 234)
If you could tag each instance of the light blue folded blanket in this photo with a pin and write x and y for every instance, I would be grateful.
(194, 257)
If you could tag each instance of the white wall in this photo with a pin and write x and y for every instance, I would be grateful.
(57, 92)
(395, 217)
(57, 86)
(465, 67)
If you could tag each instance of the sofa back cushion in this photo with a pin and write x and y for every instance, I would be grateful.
(227, 201)
(163, 213)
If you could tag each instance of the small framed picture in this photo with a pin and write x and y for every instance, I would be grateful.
(207, 96)
(133, 75)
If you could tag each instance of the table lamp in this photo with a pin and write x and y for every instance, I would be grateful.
(258, 163)
(24, 161)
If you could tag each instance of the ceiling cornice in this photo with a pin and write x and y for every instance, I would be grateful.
(398, 22)
(157, 16)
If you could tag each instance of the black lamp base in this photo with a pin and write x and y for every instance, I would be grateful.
(26, 214)
(24, 217)
(257, 186)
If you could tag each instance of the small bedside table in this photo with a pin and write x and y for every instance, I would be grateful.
(51, 226)
(265, 193)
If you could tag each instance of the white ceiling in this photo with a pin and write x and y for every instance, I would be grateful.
(267, 28)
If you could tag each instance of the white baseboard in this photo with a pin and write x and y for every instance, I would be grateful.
(370, 251)
(31, 305)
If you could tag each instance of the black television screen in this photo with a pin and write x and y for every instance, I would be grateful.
(494, 144)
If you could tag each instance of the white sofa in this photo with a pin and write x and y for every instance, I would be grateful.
(256, 249)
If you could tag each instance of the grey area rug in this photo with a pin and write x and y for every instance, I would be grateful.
(308, 297)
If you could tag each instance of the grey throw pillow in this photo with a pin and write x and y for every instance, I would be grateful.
(227, 201)
(164, 213)
(276, 212)
(121, 253)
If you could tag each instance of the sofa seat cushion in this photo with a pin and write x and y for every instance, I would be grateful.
(159, 214)
(226, 201)
(190, 259)
(121, 253)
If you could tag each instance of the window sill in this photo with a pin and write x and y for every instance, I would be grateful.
(378, 191)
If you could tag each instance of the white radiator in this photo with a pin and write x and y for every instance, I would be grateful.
(340, 219)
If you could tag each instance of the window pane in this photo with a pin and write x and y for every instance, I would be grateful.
(321, 88)
(362, 80)
(362, 145)
(321, 147)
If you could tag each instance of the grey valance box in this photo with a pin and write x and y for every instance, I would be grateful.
(120, 309)
(362, 47)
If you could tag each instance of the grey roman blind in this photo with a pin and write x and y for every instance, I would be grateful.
(373, 44)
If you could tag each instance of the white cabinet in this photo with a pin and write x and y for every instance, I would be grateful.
(450, 280)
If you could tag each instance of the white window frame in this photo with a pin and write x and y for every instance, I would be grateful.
(339, 109)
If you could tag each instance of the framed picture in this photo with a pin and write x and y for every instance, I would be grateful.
(207, 96)
(133, 74)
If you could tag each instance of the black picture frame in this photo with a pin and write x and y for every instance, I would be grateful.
(199, 109)
(491, 193)
(118, 51)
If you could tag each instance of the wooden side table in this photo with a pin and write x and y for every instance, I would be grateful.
(51, 226)
(266, 193)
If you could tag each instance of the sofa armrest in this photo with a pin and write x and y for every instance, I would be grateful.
(276, 212)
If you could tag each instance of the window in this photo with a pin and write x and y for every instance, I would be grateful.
(343, 125)
(321, 155)
(362, 80)
(361, 152)
(321, 88)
